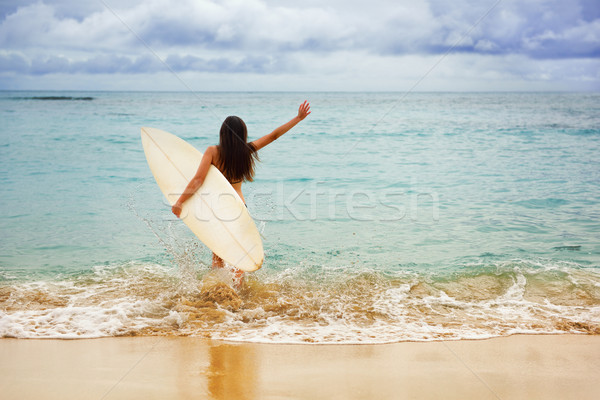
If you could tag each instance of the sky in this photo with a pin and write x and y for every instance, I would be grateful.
(309, 45)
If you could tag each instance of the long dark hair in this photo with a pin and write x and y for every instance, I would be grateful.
(236, 155)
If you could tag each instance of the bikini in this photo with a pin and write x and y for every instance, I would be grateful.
(235, 183)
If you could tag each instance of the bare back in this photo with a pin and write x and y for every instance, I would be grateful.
(219, 164)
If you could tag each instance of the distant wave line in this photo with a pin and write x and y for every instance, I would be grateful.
(54, 98)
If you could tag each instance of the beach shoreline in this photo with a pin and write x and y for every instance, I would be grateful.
(512, 367)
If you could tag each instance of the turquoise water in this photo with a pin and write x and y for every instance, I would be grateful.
(385, 217)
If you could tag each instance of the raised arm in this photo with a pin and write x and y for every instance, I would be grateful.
(303, 112)
(197, 180)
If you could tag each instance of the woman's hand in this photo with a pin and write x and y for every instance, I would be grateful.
(176, 209)
(303, 110)
(196, 181)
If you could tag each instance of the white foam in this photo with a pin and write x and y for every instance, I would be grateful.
(100, 304)
(86, 322)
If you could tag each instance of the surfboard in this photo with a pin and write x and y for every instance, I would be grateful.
(215, 213)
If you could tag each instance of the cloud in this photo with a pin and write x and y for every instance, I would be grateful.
(537, 28)
(101, 64)
(266, 37)
(249, 64)
(113, 64)
(37, 28)
(14, 63)
(248, 25)
(543, 29)
(581, 40)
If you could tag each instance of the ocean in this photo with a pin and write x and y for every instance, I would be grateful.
(385, 217)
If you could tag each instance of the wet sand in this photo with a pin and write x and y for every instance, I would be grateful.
(516, 367)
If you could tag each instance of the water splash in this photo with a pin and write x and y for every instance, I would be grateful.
(185, 254)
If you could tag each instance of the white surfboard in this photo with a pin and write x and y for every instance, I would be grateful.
(215, 213)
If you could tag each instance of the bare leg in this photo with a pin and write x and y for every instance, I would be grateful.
(238, 275)
(217, 262)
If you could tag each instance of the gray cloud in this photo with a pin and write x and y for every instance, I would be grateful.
(317, 39)
(14, 63)
(250, 64)
(538, 29)
(117, 64)
(101, 64)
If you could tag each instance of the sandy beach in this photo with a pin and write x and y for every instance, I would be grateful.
(516, 367)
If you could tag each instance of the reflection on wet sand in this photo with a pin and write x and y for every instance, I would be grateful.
(232, 372)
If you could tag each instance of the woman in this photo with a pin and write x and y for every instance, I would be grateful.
(235, 158)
